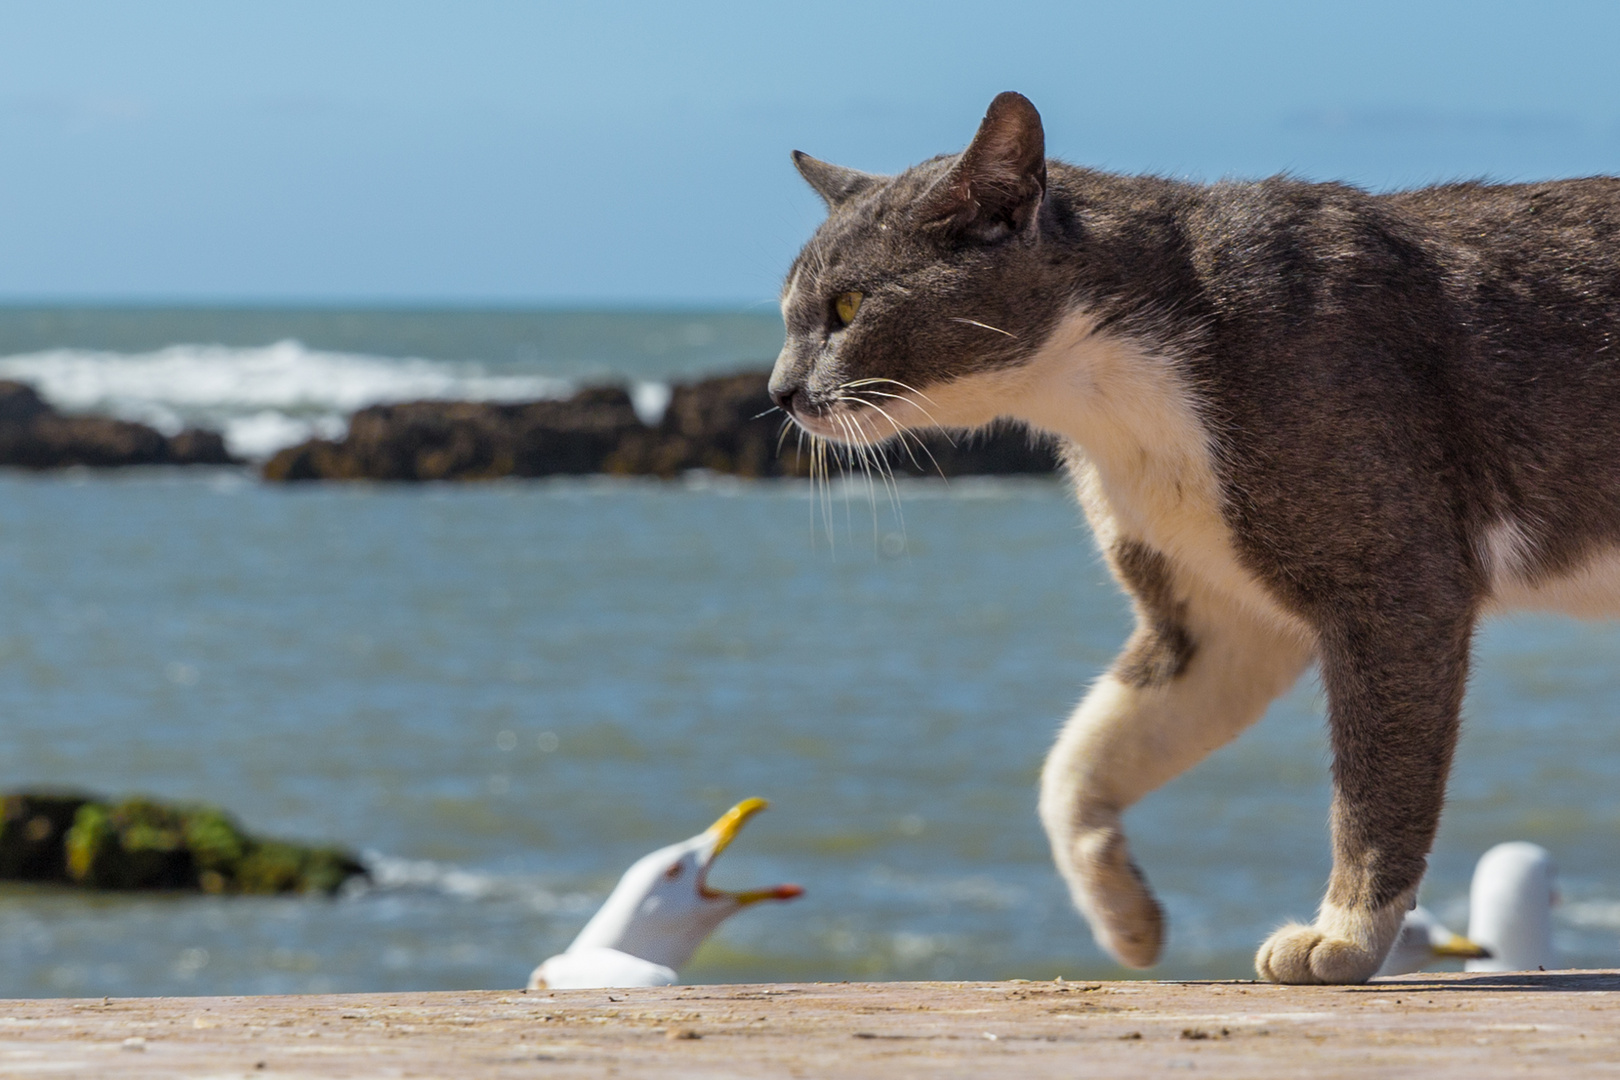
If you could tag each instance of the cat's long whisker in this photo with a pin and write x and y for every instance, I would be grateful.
(838, 454)
(892, 382)
(848, 460)
(852, 400)
(767, 412)
(944, 433)
(890, 490)
(815, 482)
(983, 326)
(814, 496)
(892, 487)
(903, 432)
(800, 458)
(829, 452)
(781, 435)
(865, 445)
(861, 449)
(908, 401)
(826, 493)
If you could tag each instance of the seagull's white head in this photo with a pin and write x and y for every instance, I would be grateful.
(663, 906)
(1510, 907)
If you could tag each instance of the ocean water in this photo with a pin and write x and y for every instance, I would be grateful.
(505, 693)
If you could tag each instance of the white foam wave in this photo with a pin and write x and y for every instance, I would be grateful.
(1590, 914)
(650, 400)
(388, 873)
(261, 398)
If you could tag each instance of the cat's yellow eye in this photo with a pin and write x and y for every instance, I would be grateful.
(847, 305)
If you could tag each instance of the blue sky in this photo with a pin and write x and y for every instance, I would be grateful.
(636, 153)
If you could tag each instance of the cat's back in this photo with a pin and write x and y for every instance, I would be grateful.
(1504, 277)
(1532, 273)
(1472, 234)
(1478, 323)
(1488, 217)
(1554, 246)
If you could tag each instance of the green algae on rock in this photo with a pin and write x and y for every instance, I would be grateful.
(140, 843)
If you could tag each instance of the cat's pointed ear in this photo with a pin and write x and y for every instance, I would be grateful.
(834, 183)
(997, 184)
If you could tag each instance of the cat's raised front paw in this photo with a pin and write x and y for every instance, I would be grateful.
(1135, 935)
(1115, 897)
(1303, 955)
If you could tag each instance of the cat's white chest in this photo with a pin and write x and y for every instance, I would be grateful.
(1173, 506)
(1146, 471)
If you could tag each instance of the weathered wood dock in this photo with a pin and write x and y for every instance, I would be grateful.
(1542, 1024)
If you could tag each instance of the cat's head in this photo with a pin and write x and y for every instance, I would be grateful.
(920, 291)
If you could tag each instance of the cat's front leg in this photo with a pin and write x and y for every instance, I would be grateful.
(1394, 687)
(1197, 672)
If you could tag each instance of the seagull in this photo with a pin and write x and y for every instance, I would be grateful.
(1510, 908)
(1509, 918)
(657, 915)
(1423, 940)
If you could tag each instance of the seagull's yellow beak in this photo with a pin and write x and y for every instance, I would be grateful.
(725, 831)
(731, 822)
(1460, 948)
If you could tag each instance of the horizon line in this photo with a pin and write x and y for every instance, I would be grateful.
(381, 304)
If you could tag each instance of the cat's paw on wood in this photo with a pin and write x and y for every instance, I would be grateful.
(1301, 955)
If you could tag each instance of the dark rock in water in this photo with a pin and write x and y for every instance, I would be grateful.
(729, 425)
(35, 436)
(199, 446)
(467, 440)
(726, 424)
(33, 828)
(144, 844)
(20, 403)
(1007, 450)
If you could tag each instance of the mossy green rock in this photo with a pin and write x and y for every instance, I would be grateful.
(144, 844)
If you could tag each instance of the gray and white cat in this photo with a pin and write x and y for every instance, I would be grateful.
(1307, 423)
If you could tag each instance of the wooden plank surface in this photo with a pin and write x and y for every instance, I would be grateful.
(1545, 1024)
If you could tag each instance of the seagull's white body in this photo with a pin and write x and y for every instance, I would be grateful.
(657, 915)
(1510, 908)
(1509, 918)
(595, 966)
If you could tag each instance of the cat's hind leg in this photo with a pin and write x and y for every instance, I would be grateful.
(1198, 670)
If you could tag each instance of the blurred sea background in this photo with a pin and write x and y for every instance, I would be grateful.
(504, 693)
